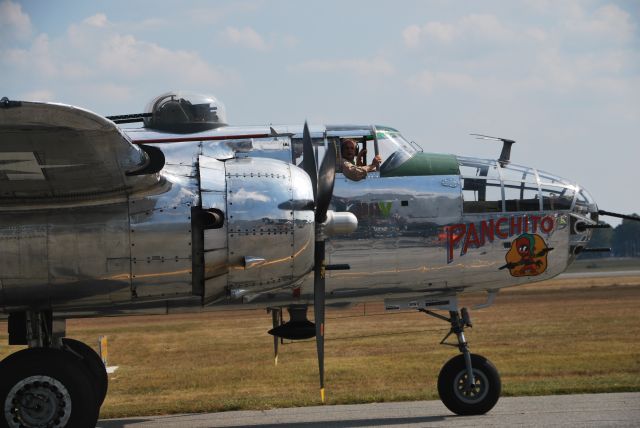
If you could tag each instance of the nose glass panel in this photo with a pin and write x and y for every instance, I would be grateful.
(489, 187)
(585, 203)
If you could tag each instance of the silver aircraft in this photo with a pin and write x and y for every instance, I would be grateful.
(174, 210)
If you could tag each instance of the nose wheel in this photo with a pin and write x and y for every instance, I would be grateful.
(468, 384)
(465, 398)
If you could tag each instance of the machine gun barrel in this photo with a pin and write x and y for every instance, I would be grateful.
(581, 227)
(596, 250)
(623, 216)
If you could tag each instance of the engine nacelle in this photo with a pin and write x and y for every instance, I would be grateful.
(267, 241)
(252, 232)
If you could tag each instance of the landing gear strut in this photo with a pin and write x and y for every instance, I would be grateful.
(468, 384)
(56, 382)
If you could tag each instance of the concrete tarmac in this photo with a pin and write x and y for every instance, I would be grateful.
(598, 274)
(588, 410)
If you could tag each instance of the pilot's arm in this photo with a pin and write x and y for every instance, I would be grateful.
(361, 160)
(353, 172)
(357, 173)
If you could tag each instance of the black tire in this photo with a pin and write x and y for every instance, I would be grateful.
(40, 385)
(93, 363)
(478, 401)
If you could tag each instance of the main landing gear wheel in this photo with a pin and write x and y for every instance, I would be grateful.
(93, 363)
(462, 398)
(46, 387)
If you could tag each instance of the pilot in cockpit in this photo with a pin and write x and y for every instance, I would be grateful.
(354, 165)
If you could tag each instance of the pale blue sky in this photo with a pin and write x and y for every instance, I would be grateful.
(560, 77)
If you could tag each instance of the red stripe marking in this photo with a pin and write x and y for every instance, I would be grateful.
(212, 138)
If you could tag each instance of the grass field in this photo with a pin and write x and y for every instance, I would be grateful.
(561, 336)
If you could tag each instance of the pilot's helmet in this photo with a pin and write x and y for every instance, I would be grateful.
(182, 111)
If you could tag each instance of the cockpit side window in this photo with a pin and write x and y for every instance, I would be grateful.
(481, 187)
(384, 141)
(361, 144)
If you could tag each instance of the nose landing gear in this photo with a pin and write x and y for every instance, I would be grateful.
(468, 384)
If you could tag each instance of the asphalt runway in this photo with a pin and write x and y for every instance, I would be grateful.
(588, 410)
(598, 274)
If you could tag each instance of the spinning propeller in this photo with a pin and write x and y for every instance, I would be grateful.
(322, 183)
(327, 223)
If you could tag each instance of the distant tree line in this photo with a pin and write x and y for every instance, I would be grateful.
(624, 241)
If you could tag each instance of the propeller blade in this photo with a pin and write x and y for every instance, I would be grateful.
(318, 308)
(326, 180)
(276, 315)
(322, 193)
(309, 160)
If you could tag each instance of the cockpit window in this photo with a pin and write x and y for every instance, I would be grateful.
(391, 141)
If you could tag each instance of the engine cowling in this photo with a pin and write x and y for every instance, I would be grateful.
(267, 240)
(252, 232)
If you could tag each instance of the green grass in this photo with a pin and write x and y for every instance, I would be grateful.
(559, 337)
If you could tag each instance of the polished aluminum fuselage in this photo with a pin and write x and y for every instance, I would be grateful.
(144, 253)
